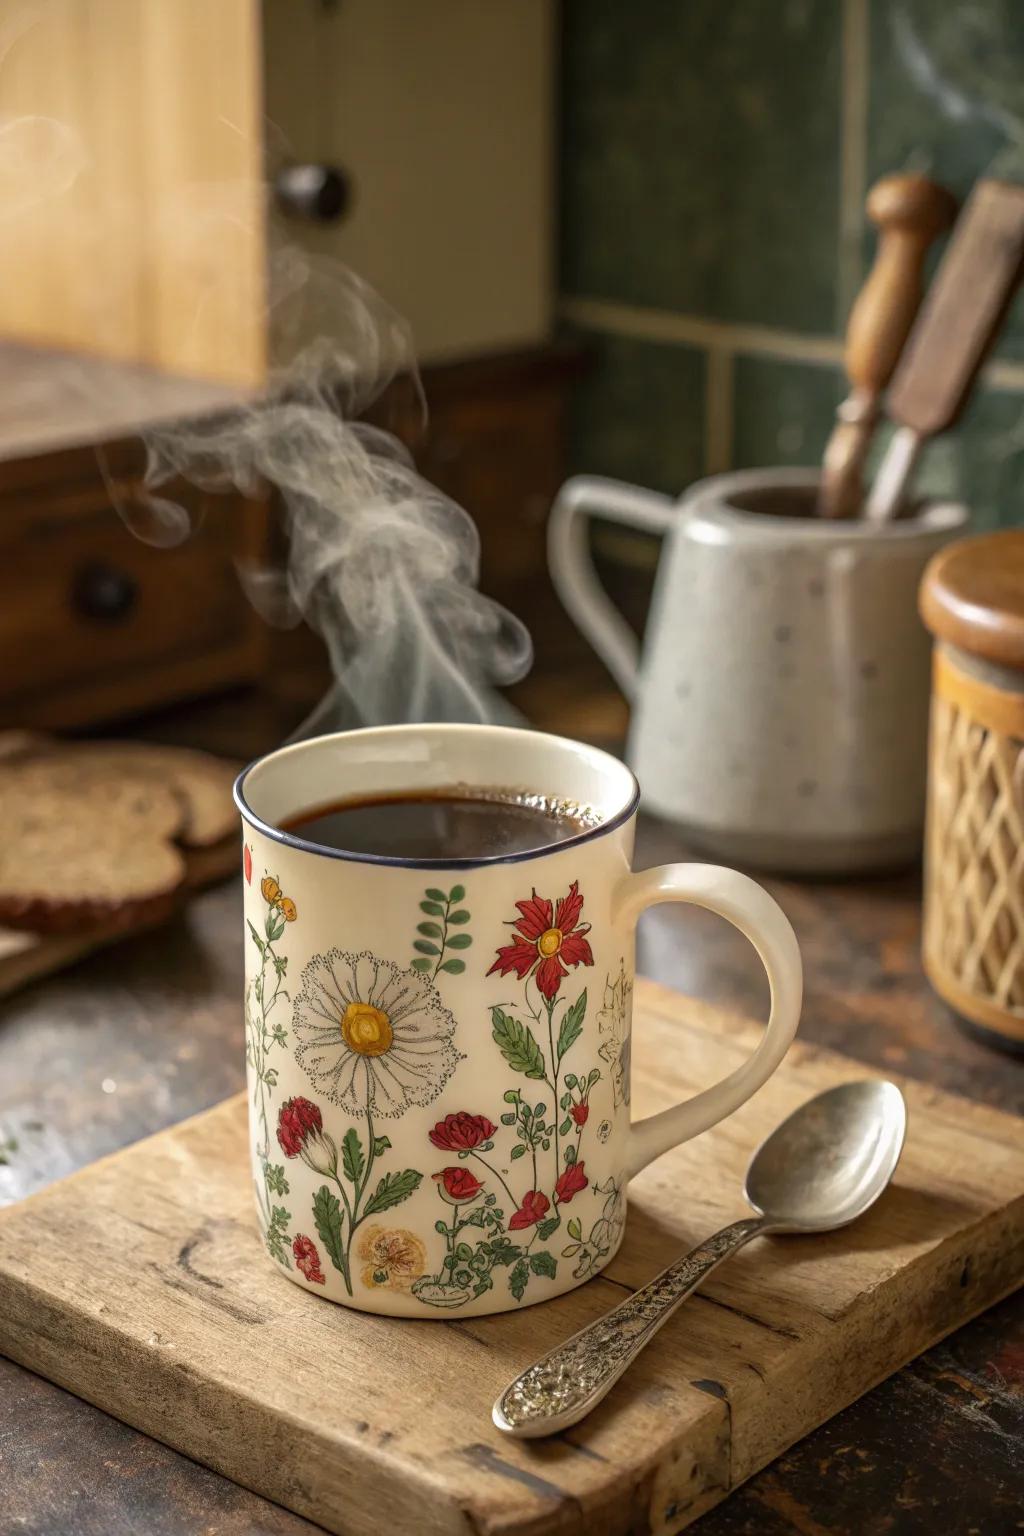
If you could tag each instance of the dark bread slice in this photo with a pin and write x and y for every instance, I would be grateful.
(76, 856)
(201, 783)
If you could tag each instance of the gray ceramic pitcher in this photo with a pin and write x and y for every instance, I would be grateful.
(780, 705)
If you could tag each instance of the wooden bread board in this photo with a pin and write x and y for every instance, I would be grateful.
(26, 957)
(139, 1283)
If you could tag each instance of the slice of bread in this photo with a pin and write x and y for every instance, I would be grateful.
(75, 857)
(202, 783)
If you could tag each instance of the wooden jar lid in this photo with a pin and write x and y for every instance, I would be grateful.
(972, 594)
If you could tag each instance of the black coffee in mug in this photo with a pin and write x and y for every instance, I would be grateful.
(451, 823)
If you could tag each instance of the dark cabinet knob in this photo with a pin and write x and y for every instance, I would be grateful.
(319, 193)
(103, 593)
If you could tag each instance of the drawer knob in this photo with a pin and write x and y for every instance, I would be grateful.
(103, 593)
(320, 194)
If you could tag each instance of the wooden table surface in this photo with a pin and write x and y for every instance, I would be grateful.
(140, 1036)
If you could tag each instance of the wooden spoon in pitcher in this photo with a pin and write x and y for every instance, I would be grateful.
(909, 212)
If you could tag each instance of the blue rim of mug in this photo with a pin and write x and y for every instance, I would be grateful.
(393, 861)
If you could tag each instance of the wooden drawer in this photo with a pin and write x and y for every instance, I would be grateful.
(96, 623)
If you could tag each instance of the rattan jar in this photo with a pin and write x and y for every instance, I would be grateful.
(972, 600)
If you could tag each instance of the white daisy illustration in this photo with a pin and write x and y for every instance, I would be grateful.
(372, 1036)
(613, 1022)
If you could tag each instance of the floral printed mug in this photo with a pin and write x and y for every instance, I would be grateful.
(438, 1051)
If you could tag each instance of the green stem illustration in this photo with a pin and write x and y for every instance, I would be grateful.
(552, 1082)
(491, 1169)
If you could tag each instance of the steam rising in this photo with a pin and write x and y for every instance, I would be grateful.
(968, 68)
(380, 563)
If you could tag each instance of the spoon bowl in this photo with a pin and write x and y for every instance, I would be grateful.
(826, 1164)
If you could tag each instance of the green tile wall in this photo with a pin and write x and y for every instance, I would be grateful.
(701, 149)
(683, 123)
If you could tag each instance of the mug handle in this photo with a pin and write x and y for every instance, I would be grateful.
(743, 903)
(572, 569)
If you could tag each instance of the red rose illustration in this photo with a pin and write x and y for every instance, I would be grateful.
(462, 1132)
(570, 1183)
(247, 864)
(532, 1210)
(579, 1113)
(458, 1184)
(547, 943)
(308, 1260)
(296, 1122)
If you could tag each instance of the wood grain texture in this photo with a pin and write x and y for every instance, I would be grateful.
(156, 1304)
(131, 179)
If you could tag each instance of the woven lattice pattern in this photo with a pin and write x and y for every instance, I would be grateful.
(975, 877)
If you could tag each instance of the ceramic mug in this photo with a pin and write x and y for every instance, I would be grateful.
(780, 709)
(438, 1051)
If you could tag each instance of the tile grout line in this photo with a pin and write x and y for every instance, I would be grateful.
(642, 324)
(718, 410)
(637, 323)
(853, 150)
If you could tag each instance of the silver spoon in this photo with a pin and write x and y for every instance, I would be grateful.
(821, 1169)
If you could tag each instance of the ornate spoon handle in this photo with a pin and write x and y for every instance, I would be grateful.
(563, 1386)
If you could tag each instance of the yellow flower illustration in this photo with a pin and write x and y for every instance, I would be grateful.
(392, 1257)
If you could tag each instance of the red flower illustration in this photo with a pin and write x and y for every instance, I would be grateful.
(296, 1122)
(570, 1183)
(579, 1113)
(462, 1132)
(308, 1260)
(247, 863)
(547, 943)
(458, 1184)
(532, 1210)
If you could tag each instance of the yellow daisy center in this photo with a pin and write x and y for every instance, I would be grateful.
(550, 942)
(367, 1030)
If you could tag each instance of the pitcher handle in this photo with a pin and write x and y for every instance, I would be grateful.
(572, 569)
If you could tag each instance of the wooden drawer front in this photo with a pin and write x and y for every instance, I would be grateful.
(91, 618)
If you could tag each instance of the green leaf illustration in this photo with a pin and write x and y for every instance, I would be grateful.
(508, 1119)
(425, 947)
(380, 1144)
(456, 893)
(545, 1228)
(421, 965)
(273, 1174)
(518, 1276)
(460, 941)
(543, 1264)
(574, 1229)
(327, 1215)
(456, 967)
(456, 919)
(572, 1024)
(276, 1235)
(517, 1152)
(258, 941)
(565, 1127)
(517, 1044)
(429, 930)
(432, 908)
(352, 1159)
(392, 1190)
(433, 894)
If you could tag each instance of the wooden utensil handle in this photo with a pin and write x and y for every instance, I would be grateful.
(909, 212)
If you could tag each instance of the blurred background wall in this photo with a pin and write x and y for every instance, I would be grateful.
(715, 160)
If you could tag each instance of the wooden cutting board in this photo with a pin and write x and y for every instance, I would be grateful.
(139, 1283)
